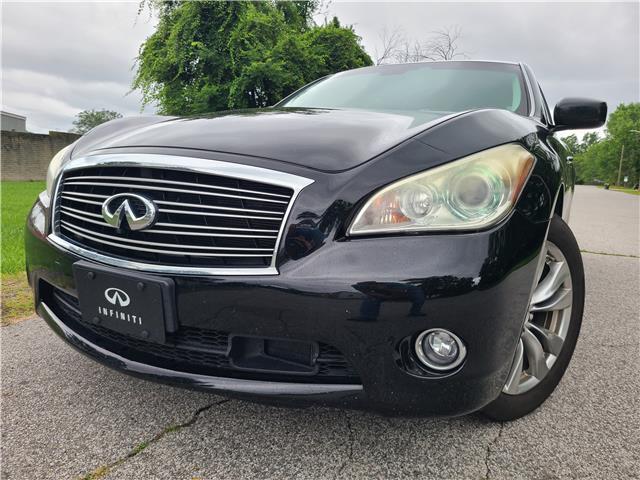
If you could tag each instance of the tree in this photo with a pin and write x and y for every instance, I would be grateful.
(209, 56)
(573, 144)
(623, 130)
(441, 45)
(87, 119)
(599, 158)
(392, 42)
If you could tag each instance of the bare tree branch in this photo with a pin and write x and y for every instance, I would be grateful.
(442, 45)
(391, 42)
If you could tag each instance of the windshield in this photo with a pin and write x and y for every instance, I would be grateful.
(442, 87)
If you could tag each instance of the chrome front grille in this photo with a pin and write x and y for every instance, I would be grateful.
(204, 220)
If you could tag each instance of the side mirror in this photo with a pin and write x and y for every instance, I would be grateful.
(574, 113)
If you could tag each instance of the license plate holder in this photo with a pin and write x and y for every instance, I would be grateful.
(134, 304)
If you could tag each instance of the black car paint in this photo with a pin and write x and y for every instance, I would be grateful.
(320, 139)
(369, 296)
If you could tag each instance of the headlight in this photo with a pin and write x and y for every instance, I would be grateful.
(470, 193)
(54, 168)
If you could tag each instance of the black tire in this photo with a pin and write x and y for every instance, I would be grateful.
(510, 407)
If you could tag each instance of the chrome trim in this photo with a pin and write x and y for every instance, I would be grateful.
(83, 194)
(202, 381)
(80, 217)
(94, 215)
(211, 214)
(165, 202)
(152, 268)
(211, 207)
(205, 234)
(180, 190)
(197, 165)
(174, 182)
(89, 233)
(532, 110)
(81, 200)
(176, 232)
(207, 227)
(184, 212)
(462, 351)
(44, 198)
(135, 222)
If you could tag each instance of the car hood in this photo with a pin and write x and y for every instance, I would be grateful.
(325, 140)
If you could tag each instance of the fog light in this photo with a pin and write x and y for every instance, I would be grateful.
(439, 349)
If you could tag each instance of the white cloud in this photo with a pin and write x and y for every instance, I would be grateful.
(60, 58)
(576, 49)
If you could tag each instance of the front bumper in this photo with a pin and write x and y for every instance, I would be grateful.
(368, 298)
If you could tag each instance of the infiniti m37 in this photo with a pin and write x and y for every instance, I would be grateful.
(391, 237)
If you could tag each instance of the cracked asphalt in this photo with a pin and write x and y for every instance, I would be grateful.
(64, 416)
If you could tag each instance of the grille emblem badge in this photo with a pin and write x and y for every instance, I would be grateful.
(135, 211)
(116, 296)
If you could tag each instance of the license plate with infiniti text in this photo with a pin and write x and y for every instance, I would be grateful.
(133, 304)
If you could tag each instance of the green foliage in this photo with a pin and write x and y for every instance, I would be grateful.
(87, 119)
(573, 144)
(599, 159)
(209, 56)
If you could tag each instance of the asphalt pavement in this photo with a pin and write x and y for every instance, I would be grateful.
(64, 416)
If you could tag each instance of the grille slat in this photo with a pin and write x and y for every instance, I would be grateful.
(80, 200)
(95, 215)
(173, 182)
(185, 212)
(156, 244)
(196, 226)
(179, 190)
(211, 214)
(211, 207)
(78, 197)
(204, 234)
(84, 194)
(177, 225)
(168, 252)
(182, 225)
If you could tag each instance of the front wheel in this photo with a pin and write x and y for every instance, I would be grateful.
(550, 332)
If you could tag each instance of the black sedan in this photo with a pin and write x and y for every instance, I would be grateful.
(389, 237)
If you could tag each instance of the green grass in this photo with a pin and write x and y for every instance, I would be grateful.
(622, 189)
(16, 198)
(17, 299)
(625, 190)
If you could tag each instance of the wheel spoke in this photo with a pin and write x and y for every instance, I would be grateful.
(559, 301)
(547, 288)
(551, 342)
(513, 381)
(535, 354)
(541, 343)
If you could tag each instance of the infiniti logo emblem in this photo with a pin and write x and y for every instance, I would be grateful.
(131, 209)
(115, 296)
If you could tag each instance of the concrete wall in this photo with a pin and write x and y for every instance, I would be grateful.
(26, 156)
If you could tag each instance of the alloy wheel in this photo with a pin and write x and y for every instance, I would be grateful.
(546, 327)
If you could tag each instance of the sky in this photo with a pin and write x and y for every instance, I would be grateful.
(61, 58)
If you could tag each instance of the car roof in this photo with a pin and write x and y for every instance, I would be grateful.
(470, 60)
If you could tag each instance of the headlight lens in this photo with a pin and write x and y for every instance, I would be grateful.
(54, 168)
(470, 193)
